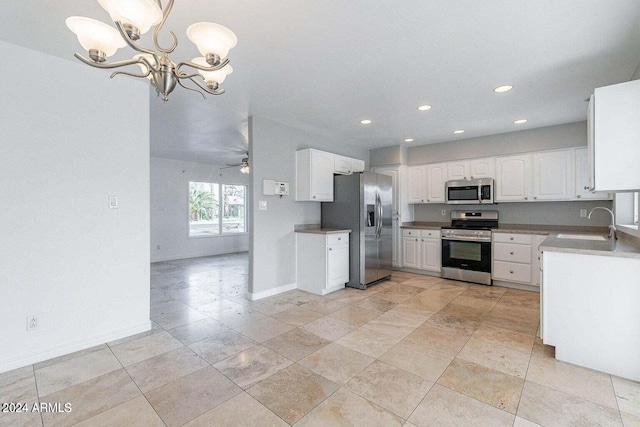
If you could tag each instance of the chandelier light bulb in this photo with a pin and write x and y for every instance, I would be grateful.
(212, 39)
(216, 76)
(95, 35)
(140, 14)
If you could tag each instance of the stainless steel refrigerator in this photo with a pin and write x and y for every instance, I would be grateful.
(362, 202)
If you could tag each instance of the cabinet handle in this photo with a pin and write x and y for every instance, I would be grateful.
(586, 187)
(578, 196)
(330, 249)
(339, 238)
(416, 240)
(535, 197)
(314, 197)
(510, 238)
(511, 253)
(511, 271)
(423, 240)
(526, 198)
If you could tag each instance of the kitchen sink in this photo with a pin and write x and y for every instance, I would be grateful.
(583, 237)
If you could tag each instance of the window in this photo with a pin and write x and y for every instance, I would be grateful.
(216, 209)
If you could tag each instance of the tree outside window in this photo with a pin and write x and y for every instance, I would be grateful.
(216, 209)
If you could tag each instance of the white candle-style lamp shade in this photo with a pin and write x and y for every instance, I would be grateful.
(212, 38)
(217, 76)
(95, 35)
(142, 14)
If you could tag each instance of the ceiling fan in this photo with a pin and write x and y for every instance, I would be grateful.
(244, 165)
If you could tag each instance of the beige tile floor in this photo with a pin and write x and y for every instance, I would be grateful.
(413, 351)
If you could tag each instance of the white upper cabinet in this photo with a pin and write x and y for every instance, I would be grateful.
(417, 184)
(482, 168)
(314, 175)
(342, 165)
(471, 169)
(553, 177)
(458, 170)
(346, 165)
(581, 187)
(513, 178)
(436, 178)
(357, 165)
(614, 137)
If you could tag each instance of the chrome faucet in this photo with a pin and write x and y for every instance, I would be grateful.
(612, 227)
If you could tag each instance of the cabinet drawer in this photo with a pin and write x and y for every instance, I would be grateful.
(512, 272)
(413, 232)
(524, 239)
(512, 252)
(333, 239)
(430, 234)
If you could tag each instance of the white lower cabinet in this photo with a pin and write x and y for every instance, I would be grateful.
(322, 261)
(516, 258)
(422, 249)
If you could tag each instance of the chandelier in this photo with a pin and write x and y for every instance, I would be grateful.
(133, 18)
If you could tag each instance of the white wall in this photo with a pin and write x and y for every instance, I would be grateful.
(169, 210)
(272, 148)
(71, 137)
(546, 138)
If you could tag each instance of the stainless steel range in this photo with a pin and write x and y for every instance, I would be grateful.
(466, 246)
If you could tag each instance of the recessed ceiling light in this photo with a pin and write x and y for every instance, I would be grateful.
(520, 121)
(365, 122)
(408, 140)
(458, 131)
(424, 107)
(505, 88)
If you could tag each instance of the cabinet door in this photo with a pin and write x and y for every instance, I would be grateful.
(357, 165)
(553, 176)
(582, 183)
(342, 165)
(431, 254)
(416, 184)
(617, 132)
(322, 165)
(411, 252)
(436, 177)
(337, 264)
(482, 168)
(458, 170)
(536, 256)
(513, 178)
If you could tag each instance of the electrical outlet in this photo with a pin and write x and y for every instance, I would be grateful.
(32, 323)
(583, 213)
(444, 212)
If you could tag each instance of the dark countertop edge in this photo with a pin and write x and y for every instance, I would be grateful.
(515, 228)
(322, 230)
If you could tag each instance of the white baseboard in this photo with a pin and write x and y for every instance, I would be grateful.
(271, 292)
(70, 347)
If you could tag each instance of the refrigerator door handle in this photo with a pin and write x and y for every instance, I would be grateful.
(379, 213)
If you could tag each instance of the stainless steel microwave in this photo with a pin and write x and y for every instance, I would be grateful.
(469, 192)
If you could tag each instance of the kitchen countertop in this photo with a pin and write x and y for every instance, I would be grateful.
(322, 230)
(514, 228)
(425, 225)
(625, 247)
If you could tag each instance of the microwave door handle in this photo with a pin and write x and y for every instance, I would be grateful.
(479, 193)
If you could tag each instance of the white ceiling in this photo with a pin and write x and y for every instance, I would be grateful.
(325, 65)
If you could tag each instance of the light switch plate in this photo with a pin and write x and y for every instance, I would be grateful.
(262, 205)
(583, 213)
(113, 202)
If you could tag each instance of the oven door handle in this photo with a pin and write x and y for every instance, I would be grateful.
(468, 239)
